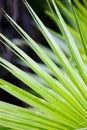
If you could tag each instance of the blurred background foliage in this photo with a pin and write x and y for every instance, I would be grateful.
(17, 10)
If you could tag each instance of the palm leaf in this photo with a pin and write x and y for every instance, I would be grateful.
(61, 103)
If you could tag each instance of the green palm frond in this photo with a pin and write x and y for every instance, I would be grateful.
(61, 100)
